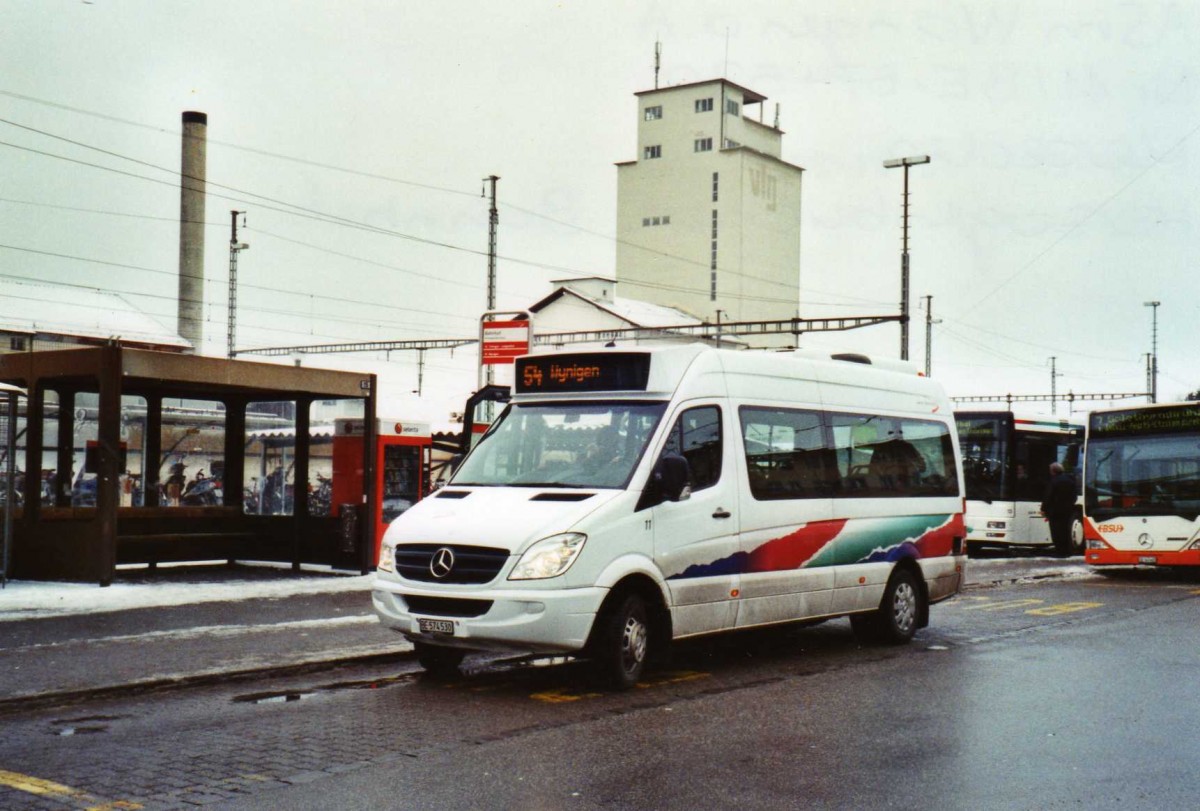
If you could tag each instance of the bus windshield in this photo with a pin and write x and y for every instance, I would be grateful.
(984, 455)
(570, 444)
(1143, 475)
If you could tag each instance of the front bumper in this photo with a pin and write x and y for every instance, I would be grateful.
(1119, 557)
(520, 620)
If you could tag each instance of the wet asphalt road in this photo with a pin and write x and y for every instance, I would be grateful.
(1037, 693)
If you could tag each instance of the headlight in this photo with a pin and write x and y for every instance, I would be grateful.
(387, 558)
(549, 557)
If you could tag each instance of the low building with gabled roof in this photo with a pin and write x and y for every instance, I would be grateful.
(590, 305)
(41, 315)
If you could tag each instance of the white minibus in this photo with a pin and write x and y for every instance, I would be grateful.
(629, 497)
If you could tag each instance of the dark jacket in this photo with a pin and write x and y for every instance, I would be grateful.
(1060, 497)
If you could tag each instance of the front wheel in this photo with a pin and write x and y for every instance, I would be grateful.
(437, 660)
(896, 620)
(1077, 541)
(622, 644)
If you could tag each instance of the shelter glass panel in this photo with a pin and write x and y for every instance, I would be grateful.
(49, 450)
(192, 461)
(321, 467)
(133, 447)
(10, 413)
(270, 458)
(83, 449)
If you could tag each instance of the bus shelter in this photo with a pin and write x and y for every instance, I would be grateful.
(128, 456)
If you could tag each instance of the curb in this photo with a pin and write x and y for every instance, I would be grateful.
(27, 701)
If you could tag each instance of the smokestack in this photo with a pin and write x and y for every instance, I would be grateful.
(191, 228)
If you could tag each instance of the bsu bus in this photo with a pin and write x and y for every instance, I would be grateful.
(1142, 486)
(1006, 470)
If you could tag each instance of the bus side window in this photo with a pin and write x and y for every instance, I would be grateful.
(696, 436)
(786, 455)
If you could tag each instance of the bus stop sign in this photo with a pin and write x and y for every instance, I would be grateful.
(503, 341)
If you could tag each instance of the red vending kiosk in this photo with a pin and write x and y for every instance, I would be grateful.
(401, 468)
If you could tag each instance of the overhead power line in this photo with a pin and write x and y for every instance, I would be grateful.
(302, 211)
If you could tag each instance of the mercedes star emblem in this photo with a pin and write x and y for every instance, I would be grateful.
(441, 563)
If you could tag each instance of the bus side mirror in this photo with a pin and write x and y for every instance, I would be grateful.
(668, 482)
(671, 476)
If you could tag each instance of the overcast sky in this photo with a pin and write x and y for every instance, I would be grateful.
(1062, 194)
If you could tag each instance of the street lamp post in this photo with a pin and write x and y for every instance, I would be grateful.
(1153, 370)
(894, 164)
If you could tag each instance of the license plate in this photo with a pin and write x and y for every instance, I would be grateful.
(1147, 559)
(435, 626)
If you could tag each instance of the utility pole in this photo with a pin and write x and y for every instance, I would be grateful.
(894, 164)
(420, 370)
(719, 312)
(929, 322)
(493, 226)
(1054, 376)
(235, 248)
(1153, 370)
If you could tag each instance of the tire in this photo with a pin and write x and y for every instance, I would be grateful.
(1078, 544)
(437, 660)
(896, 620)
(622, 644)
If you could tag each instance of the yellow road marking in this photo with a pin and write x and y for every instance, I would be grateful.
(1062, 608)
(561, 696)
(1003, 605)
(35, 785)
(48, 788)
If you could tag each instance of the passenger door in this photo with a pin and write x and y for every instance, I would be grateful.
(696, 539)
(1031, 478)
(786, 511)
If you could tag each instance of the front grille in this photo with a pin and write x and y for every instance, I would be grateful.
(447, 606)
(473, 565)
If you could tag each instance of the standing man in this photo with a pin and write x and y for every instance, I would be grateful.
(1059, 508)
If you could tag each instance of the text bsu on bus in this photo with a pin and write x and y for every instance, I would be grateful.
(1142, 486)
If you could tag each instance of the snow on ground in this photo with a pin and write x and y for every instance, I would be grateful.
(170, 585)
(185, 584)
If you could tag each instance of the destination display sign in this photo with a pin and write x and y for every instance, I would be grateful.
(1168, 420)
(584, 372)
(980, 428)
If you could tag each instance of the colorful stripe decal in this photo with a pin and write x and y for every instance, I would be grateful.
(841, 542)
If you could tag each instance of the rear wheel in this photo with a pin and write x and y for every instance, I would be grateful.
(896, 620)
(437, 660)
(622, 644)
